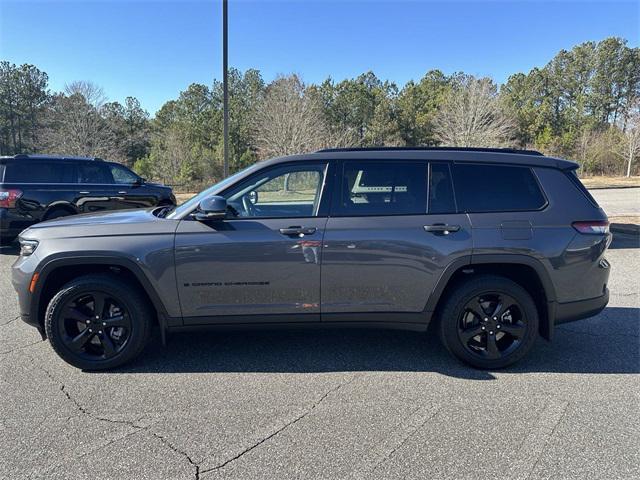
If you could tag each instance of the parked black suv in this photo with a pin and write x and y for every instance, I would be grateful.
(34, 188)
(497, 246)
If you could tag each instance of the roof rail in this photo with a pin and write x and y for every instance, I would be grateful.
(456, 149)
(37, 156)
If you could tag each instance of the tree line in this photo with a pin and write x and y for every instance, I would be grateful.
(583, 105)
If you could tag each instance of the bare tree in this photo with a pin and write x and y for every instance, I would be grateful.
(473, 116)
(629, 149)
(93, 94)
(288, 121)
(76, 125)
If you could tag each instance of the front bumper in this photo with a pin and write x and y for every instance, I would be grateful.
(21, 273)
(571, 311)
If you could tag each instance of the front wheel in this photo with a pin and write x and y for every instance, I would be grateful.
(98, 322)
(489, 322)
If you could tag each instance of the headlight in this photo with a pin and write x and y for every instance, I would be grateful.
(27, 247)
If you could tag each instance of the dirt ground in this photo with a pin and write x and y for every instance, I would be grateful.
(608, 182)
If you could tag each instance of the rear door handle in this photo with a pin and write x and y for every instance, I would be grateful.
(121, 192)
(84, 193)
(441, 228)
(298, 230)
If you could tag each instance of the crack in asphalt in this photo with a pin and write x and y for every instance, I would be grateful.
(7, 352)
(556, 421)
(408, 427)
(411, 433)
(10, 321)
(281, 429)
(84, 411)
(181, 452)
(131, 423)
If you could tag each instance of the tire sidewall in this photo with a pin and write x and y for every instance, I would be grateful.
(130, 299)
(454, 307)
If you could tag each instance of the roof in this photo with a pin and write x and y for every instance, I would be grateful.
(23, 156)
(452, 149)
(462, 155)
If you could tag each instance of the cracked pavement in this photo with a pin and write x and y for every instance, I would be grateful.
(334, 404)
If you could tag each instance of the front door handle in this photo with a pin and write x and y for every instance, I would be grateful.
(441, 228)
(122, 192)
(84, 193)
(298, 230)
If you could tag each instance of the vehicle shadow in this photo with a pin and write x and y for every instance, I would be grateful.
(592, 346)
(623, 240)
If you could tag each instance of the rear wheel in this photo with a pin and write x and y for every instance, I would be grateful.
(489, 322)
(97, 322)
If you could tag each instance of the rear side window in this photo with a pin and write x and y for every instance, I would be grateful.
(383, 188)
(494, 188)
(94, 172)
(441, 199)
(40, 172)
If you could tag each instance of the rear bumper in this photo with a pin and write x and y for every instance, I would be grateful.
(12, 224)
(569, 312)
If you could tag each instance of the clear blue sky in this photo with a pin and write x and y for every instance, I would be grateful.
(154, 49)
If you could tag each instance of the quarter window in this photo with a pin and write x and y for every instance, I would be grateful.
(491, 188)
(383, 188)
(30, 171)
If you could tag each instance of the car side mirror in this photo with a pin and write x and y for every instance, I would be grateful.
(211, 208)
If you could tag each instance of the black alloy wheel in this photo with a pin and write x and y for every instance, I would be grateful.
(492, 325)
(488, 321)
(94, 325)
(99, 322)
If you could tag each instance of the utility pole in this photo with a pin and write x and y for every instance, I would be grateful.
(225, 89)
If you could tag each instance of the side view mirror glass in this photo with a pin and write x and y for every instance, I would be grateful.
(253, 197)
(212, 208)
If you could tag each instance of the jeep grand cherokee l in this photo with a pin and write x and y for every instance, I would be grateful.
(496, 246)
(34, 188)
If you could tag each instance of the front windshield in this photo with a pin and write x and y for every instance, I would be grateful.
(194, 201)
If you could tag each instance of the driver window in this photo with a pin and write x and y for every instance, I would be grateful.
(121, 175)
(282, 192)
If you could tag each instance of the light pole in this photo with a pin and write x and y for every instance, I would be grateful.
(225, 89)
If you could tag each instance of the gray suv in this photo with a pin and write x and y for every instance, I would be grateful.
(495, 246)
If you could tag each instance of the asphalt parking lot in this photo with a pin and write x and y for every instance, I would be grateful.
(339, 404)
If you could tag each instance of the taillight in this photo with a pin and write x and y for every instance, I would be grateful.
(8, 198)
(593, 227)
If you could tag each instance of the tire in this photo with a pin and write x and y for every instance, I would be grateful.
(471, 332)
(79, 337)
(57, 213)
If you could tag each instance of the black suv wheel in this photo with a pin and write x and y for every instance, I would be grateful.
(489, 322)
(98, 322)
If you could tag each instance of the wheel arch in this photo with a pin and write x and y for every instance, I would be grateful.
(60, 205)
(527, 271)
(61, 270)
